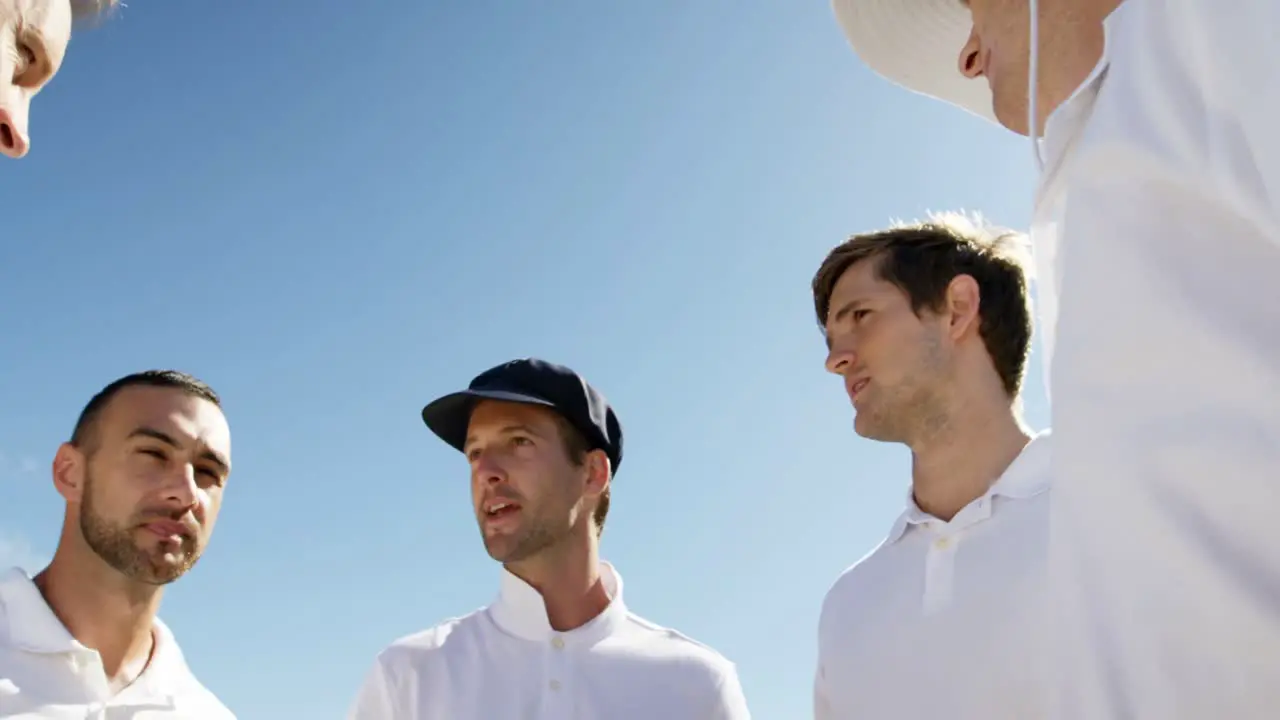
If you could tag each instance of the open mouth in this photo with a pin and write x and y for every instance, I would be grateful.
(500, 509)
(857, 387)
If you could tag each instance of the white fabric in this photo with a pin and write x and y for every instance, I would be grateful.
(1157, 218)
(45, 673)
(944, 619)
(505, 662)
(916, 44)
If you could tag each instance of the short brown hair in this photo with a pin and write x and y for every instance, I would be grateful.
(923, 258)
(576, 446)
(83, 436)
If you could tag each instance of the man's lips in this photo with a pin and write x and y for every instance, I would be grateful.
(856, 386)
(498, 511)
(168, 529)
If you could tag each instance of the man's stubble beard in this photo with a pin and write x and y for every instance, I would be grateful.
(117, 548)
(541, 534)
(536, 539)
(917, 410)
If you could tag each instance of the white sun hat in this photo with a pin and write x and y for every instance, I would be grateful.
(916, 44)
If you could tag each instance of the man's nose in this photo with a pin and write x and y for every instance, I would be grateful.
(13, 136)
(970, 60)
(839, 359)
(180, 487)
(486, 469)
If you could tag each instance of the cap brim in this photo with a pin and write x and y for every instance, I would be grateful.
(916, 44)
(449, 416)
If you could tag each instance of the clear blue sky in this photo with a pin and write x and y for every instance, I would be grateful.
(333, 213)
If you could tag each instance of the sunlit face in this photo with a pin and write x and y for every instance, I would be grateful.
(33, 39)
(156, 464)
(527, 494)
(893, 362)
(997, 49)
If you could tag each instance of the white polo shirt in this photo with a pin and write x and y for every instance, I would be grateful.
(505, 662)
(1158, 221)
(945, 619)
(45, 673)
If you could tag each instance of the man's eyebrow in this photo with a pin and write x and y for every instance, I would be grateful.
(507, 430)
(844, 310)
(168, 439)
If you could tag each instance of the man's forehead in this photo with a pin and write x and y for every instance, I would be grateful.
(168, 409)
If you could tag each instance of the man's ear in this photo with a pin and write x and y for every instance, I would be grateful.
(70, 466)
(599, 472)
(963, 302)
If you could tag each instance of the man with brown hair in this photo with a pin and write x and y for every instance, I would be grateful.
(143, 476)
(1157, 234)
(929, 327)
(559, 641)
(34, 35)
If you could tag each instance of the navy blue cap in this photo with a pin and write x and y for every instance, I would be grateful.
(533, 382)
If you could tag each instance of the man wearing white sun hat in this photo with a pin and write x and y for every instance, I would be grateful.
(1157, 233)
(34, 35)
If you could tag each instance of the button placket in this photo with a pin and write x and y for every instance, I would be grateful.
(558, 701)
(939, 573)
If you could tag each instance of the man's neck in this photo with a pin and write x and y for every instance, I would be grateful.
(1074, 51)
(568, 578)
(963, 459)
(103, 611)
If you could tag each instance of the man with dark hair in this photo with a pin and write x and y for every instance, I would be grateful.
(558, 642)
(929, 327)
(34, 35)
(143, 477)
(1156, 227)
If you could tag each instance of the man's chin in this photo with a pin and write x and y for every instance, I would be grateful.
(1012, 116)
(165, 567)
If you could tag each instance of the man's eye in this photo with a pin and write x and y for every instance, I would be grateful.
(26, 57)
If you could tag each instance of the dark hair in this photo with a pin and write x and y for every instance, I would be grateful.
(922, 260)
(81, 435)
(576, 446)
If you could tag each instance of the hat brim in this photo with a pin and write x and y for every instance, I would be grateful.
(916, 44)
(449, 416)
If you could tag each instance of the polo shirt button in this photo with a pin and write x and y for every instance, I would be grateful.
(558, 643)
(942, 543)
(555, 684)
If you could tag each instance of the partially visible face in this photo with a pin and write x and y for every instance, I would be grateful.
(892, 361)
(527, 494)
(997, 48)
(153, 482)
(33, 39)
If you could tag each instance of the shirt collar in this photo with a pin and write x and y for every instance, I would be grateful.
(1063, 125)
(521, 611)
(33, 627)
(1026, 477)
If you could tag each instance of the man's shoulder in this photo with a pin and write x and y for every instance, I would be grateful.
(193, 697)
(434, 641)
(199, 701)
(872, 571)
(662, 644)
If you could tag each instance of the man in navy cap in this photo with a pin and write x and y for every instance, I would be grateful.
(543, 446)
